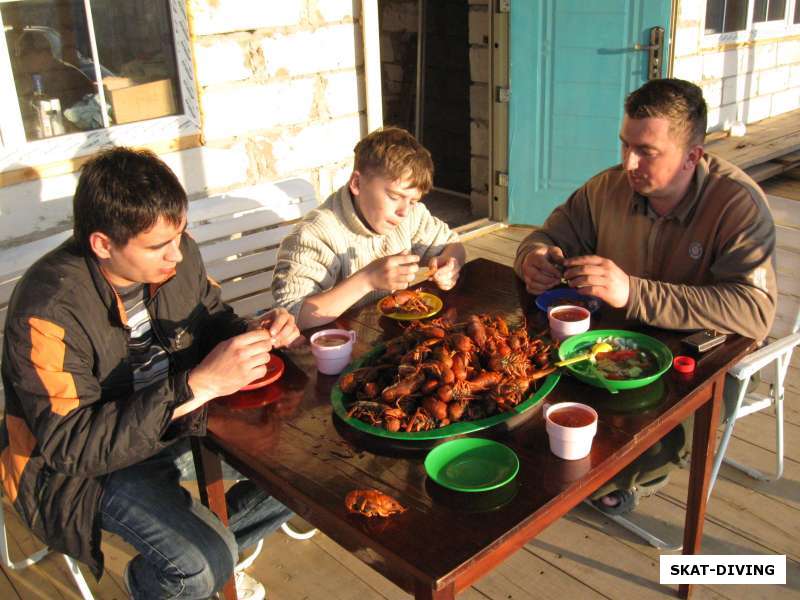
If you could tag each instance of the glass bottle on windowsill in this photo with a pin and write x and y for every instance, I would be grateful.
(49, 121)
(36, 106)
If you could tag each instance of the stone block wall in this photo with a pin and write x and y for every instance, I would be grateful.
(284, 83)
(742, 82)
(281, 88)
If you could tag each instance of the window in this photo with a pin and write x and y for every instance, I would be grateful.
(55, 52)
(769, 10)
(730, 16)
(725, 15)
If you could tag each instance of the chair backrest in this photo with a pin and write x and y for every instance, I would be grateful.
(238, 233)
(787, 257)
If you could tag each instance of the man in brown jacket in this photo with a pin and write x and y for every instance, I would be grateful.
(672, 237)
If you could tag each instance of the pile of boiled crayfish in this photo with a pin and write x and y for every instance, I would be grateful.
(441, 372)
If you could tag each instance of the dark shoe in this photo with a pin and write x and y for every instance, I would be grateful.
(627, 500)
(649, 488)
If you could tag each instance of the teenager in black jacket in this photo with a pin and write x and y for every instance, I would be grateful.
(114, 343)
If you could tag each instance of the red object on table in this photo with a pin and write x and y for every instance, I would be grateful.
(683, 364)
(275, 368)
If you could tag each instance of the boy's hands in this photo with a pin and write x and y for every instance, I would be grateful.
(280, 325)
(542, 268)
(231, 365)
(444, 271)
(237, 361)
(393, 272)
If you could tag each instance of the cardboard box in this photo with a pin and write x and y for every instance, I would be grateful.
(142, 102)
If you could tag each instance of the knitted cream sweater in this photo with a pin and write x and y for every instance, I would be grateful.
(332, 243)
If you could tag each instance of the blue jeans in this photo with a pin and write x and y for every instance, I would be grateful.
(673, 450)
(184, 550)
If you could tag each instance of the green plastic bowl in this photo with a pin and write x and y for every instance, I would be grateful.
(583, 342)
(472, 465)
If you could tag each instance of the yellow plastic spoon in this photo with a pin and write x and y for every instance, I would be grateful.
(596, 349)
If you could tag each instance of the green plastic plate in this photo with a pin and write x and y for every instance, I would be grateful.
(339, 400)
(471, 465)
(583, 342)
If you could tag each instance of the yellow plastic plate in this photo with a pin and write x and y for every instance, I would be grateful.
(433, 301)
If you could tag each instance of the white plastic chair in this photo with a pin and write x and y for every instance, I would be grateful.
(776, 355)
(72, 564)
(772, 363)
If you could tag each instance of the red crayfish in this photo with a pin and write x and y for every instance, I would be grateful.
(406, 301)
(372, 503)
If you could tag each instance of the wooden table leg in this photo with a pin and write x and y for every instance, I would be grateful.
(212, 492)
(706, 420)
(426, 592)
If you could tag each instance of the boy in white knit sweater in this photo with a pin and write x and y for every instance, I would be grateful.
(369, 237)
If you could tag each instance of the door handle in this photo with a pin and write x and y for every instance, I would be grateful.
(655, 52)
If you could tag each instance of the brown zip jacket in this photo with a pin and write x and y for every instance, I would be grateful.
(707, 264)
(72, 415)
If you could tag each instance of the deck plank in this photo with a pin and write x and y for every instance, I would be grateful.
(526, 576)
(754, 427)
(766, 140)
(784, 490)
(304, 569)
(496, 244)
(770, 524)
(591, 551)
(46, 579)
(665, 516)
(785, 186)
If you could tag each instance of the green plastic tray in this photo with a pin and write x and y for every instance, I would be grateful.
(339, 399)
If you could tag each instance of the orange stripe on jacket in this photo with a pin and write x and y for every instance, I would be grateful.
(47, 355)
(14, 458)
(213, 281)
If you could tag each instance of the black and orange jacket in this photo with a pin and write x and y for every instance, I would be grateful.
(72, 415)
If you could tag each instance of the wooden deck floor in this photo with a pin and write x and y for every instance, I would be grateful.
(581, 556)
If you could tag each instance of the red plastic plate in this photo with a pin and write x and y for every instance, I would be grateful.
(275, 368)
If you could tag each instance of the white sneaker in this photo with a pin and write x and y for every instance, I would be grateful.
(248, 588)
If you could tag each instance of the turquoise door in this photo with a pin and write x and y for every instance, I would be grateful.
(572, 62)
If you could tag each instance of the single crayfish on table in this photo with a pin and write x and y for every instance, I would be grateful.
(372, 503)
(440, 372)
(404, 301)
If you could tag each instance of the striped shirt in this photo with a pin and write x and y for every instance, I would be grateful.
(148, 359)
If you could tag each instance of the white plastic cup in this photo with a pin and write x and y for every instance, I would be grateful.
(331, 360)
(570, 443)
(561, 329)
(738, 129)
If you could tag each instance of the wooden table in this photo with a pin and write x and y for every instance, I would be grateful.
(301, 454)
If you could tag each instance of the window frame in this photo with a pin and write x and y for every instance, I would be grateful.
(17, 153)
(753, 31)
